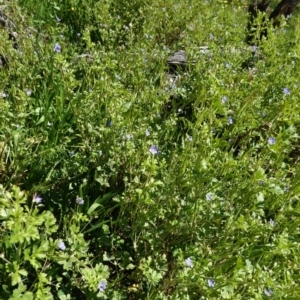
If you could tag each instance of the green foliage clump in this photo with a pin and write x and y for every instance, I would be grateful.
(38, 260)
(150, 189)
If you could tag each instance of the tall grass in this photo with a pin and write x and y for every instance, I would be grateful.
(109, 190)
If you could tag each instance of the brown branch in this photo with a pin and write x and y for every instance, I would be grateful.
(284, 8)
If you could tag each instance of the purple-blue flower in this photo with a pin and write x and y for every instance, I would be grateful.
(189, 262)
(57, 48)
(224, 100)
(230, 120)
(154, 150)
(272, 223)
(36, 198)
(268, 292)
(61, 245)
(286, 91)
(208, 196)
(28, 92)
(102, 286)
(80, 201)
(271, 141)
(211, 282)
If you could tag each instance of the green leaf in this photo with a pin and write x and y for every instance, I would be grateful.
(100, 224)
(41, 120)
(93, 207)
(103, 200)
(23, 272)
(130, 267)
(260, 197)
(227, 292)
(15, 278)
(61, 295)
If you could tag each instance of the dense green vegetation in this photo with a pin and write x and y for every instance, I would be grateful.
(116, 184)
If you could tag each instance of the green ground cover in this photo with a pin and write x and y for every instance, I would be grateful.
(118, 185)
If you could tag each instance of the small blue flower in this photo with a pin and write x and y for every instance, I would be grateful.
(211, 282)
(4, 95)
(272, 223)
(208, 196)
(80, 201)
(102, 286)
(154, 150)
(224, 100)
(37, 199)
(57, 48)
(268, 292)
(58, 19)
(128, 136)
(189, 262)
(190, 138)
(230, 120)
(271, 141)
(61, 245)
(28, 92)
(147, 132)
(286, 91)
